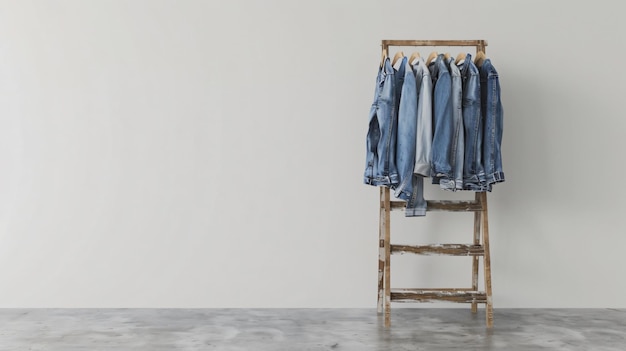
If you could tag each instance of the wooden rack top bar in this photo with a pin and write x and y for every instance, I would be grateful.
(387, 43)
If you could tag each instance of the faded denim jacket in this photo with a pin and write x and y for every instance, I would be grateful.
(424, 134)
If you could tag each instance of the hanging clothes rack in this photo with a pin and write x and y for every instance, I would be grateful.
(478, 248)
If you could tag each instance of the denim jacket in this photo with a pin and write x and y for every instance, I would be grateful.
(407, 127)
(493, 114)
(424, 132)
(441, 167)
(458, 138)
(380, 164)
(473, 172)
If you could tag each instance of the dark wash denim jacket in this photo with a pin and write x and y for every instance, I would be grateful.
(492, 113)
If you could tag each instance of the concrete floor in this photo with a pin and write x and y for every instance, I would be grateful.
(310, 329)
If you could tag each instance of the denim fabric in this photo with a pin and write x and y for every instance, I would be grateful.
(407, 127)
(399, 70)
(424, 87)
(441, 167)
(458, 139)
(411, 188)
(493, 114)
(380, 166)
(416, 205)
(473, 172)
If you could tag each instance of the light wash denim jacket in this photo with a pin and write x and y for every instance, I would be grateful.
(424, 134)
(407, 127)
(380, 164)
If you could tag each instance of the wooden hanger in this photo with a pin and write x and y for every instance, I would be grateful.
(446, 56)
(398, 55)
(431, 57)
(480, 57)
(383, 58)
(415, 55)
(461, 56)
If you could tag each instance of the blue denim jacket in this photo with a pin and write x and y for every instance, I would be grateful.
(380, 165)
(473, 172)
(493, 114)
(424, 86)
(416, 204)
(458, 138)
(443, 121)
(407, 128)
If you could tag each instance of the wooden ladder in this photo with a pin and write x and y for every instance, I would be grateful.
(478, 248)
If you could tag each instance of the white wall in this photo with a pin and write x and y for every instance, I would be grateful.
(162, 153)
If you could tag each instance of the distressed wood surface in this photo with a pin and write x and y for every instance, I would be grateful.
(438, 295)
(475, 261)
(440, 249)
(431, 289)
(443, 205)
(477, 43)
(381, 253)
(487, 260)
(387, 245)
(481, 47)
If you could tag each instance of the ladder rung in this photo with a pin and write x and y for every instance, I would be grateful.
(440, 249)
(438, 289)
(443, 205)
(426, 295)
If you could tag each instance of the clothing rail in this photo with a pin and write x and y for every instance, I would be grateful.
(479, 44)
(476, 249)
